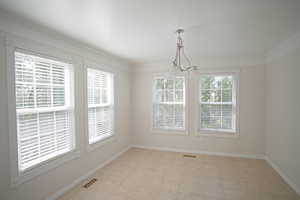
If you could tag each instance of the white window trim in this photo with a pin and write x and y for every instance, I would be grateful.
(29, 47)
(170, 131)
(197, 115)
(106, 138)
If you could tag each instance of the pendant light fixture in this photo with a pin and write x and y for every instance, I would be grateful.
(180, 55)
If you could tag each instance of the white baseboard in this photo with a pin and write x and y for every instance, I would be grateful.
(67, 188)
(284, 176)
(262, 157)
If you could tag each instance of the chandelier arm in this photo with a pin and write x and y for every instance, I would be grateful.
(175, 61)
(179, 58)
(187, 58)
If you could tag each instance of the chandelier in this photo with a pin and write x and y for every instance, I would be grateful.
(180, 55)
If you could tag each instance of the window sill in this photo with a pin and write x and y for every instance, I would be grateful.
(169, 131)
(103, 140)
(215, 133)
(26, 175)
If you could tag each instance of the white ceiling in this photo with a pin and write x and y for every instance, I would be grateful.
(142, 31)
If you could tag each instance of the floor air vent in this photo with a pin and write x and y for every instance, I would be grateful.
(189, 156)
(91, 182)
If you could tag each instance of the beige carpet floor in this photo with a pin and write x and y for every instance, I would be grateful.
(157, 175)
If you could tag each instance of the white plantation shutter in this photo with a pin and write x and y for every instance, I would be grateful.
(169, 103)
(100, 104)
(217, 102)
(44, 109)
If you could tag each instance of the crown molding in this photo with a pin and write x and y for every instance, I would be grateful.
(284, 48)
(205, 63)
(14, 27)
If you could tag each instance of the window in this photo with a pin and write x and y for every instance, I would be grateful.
(217, 102)
(100, 105)
(44, 109)
(169, 103)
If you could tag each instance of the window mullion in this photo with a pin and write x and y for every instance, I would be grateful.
(52, 105)
(37, 114)
(221, 104)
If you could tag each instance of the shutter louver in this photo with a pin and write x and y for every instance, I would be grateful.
(169, 103)
(100, 104)
(217, 102)
(43, 109)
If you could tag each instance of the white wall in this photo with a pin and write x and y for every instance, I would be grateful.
(50, 182)
(251, 139)
(4, 149)
(283, 110)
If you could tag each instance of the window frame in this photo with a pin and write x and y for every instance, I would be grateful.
(108, 138)
(69, 107)
(235, 92)
(28, 47)
(171, 131)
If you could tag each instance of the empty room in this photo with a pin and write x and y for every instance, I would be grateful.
(149, 100)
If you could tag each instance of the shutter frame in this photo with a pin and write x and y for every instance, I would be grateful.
(52, 142)
(201, 102)
(100, 103)
(173, 98)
